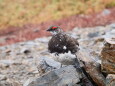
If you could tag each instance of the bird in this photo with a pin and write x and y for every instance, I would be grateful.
(61, 42)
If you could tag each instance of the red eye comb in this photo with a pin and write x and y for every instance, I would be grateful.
(54, 27)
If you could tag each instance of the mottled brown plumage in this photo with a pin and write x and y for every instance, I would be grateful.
(61, 42)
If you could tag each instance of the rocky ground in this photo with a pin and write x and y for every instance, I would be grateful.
(21, 61)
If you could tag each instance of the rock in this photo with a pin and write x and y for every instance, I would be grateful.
(43, 40)
(8, 62)
(52, 63)
(91, 66)
(47, 64)
(110, 34)
(74, 35)
(14, 82)
(25, 51)
(3, 83)
(29, 44)
(9, 83)
(2, 77)
(112, 25)
(7, 51)
(94, 34)
(2, 39)
(2, 55)
(106, 12)
(110, 80)
(108, 54)
(66, 76)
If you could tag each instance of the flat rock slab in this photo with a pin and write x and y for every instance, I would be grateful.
(66, 76)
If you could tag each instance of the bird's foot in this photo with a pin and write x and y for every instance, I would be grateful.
(56, 54)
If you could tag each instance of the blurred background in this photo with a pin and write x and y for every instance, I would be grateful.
(18, 18)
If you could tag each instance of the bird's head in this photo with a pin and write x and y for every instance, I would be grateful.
(54, 29)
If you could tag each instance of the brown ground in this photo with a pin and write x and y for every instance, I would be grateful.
(31, 31)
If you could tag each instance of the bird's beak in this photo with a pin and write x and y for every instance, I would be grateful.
(48, 29)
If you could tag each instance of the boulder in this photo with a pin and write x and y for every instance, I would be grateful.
(92, 67)
(66, 76)
(108, 53)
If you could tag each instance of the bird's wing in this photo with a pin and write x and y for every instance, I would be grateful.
(71, 40)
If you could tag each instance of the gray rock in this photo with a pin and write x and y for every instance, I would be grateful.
(112, 25)
(3, 83)
(110, 34)
(91, 35)
(9, 83)
(2, 55)
(47, 64)
(8, 62)
(25, 51)
(30, 43)
(2, 77)
(52, 63)
(66, 76)
(43, 40)
(106, 12)
(110, 80)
